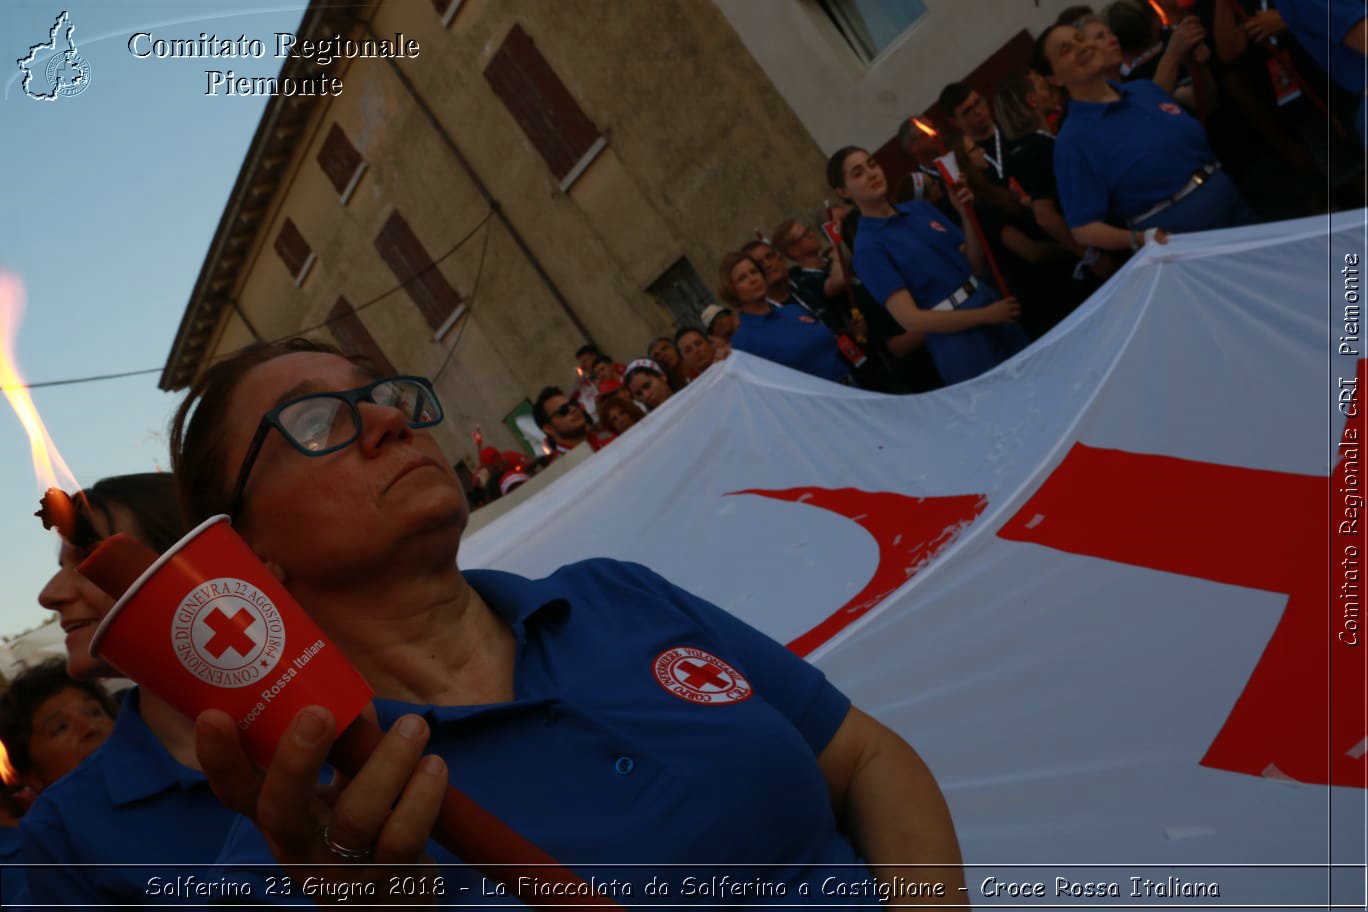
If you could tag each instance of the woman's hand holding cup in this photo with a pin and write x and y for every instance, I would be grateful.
(382, 816)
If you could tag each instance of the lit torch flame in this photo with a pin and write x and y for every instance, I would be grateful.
(56, 508)
(48, 466)
(1159, 10)
(929, 131)
(8, 775)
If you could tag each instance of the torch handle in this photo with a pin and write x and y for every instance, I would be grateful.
(972, 218)
(476, 836)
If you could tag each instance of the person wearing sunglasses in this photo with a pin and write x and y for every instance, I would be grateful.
(605, 714)
(561, 419)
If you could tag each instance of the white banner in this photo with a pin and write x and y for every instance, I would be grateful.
(1092, 587)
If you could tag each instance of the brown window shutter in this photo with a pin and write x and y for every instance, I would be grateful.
(411, 265)
(354, 339)
(339, 159)
(292, 247)
(540, 103)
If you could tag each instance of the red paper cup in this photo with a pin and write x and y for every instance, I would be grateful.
(208, 627)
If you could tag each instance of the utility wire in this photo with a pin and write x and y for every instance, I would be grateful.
(308, 329)
(68, 382)
(470, 306)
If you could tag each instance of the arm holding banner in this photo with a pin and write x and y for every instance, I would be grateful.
(914, 319)
(887, 801)
(1109, 237)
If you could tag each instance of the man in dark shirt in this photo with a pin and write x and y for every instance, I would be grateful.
(969, 113)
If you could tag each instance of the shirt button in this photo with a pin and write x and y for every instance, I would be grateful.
(624, 765)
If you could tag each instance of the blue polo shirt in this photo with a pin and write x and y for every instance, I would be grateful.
(1320, 27)
(792, 336)
(130, 803)
(13, 888)
(1113, 161)
(917, 249)
(648, 727)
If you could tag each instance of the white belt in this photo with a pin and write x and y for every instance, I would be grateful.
(1193, 183)
(959, 296)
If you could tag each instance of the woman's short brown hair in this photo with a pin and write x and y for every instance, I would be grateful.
(616, 404)
(21, 699)
(197, 451)
(725, 289)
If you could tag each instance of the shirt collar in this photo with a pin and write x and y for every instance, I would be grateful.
(522, 603)
(519, 600)
(135, 764)
(1096, 109)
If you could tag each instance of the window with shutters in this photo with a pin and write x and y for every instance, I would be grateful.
(294, 252)
(354, 339)
(439, 303)
(872, 26)
(681, 292)
(341, 162)
(545, 110)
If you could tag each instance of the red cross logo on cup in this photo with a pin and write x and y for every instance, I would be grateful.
(227, 633)
(700, 677)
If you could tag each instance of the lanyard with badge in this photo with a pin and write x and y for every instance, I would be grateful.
(1144, 58)
(996, 162)
(851, 351)
(850, 348)
(1285, 87)
(1287, 84)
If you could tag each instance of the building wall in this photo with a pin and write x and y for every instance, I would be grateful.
(840, 99)
(700, 150)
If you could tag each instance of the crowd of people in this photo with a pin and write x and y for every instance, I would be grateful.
(1134, 121)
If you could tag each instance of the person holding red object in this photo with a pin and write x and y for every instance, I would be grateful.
(582, 709)
(922, 271)
(94, 835)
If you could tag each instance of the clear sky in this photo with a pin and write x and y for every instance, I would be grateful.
(109, 201)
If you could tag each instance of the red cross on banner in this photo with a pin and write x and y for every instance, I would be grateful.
(229, 633)
(908, 530)
(1301, 713)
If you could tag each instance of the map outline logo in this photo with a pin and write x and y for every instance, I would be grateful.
(67, 60)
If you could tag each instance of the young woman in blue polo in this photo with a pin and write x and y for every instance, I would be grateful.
(1131, 164)
(921, 267)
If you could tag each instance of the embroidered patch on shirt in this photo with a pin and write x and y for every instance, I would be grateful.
(938, 227)
(700, 677)
(1169, 107)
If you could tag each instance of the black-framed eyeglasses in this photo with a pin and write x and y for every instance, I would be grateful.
(317, 424)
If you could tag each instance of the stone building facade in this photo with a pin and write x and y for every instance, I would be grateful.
(543, 173)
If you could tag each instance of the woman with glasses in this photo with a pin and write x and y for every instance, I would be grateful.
(606, 715)
(129, 802)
